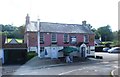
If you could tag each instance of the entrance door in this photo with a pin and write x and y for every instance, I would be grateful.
(54, 52)
(83, 52)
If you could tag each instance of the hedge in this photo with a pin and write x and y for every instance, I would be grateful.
(99, 48)
(31, 54)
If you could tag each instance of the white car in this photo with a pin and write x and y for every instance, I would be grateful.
(106, 49)
(114, 50)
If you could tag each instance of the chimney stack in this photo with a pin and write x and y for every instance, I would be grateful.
(84, 23)
(27, 20)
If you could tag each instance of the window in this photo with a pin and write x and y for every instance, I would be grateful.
(41, 49)
(118, 49)
(41, 38)
(73, 40)
(66, 38)
(54, 38)
(86, 39)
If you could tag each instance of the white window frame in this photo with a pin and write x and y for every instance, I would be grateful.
(55, 40)
(42, 41)
(72, 40)
(86, 38)
(65, 38)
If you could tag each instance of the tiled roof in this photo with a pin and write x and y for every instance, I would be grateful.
(58, 27)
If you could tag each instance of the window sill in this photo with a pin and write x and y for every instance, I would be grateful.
(66, 42)
(54, 42)
(42, 42)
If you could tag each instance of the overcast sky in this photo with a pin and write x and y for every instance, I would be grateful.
(96, 12)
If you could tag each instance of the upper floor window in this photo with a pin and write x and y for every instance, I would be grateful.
(41, 38)
(73, 40)
(66, 38)
(86, 38)
(54, 38)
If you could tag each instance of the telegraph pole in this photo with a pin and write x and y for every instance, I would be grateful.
(26, 33)
(38, 34)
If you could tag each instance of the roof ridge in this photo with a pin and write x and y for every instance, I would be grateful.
(58, 23)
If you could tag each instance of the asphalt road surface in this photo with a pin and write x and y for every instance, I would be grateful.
(92, 67)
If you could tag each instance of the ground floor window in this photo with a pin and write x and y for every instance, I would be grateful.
(42, 49)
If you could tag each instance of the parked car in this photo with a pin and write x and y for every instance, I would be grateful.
(106, 49)
(114, 50)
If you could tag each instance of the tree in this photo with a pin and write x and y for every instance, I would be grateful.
(97, 35)
(21, 30)
(118, 34)
(12, 31)
(105, 33)
(115, 35)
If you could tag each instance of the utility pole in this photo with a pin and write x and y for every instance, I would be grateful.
(26, 33)
(38, 34)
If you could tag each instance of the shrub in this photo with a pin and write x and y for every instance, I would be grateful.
(99, 48)
(31, 54)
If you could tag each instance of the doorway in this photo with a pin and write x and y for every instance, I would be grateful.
(54, 52)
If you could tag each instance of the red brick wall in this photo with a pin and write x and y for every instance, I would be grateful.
(32, 37)
(47, 42)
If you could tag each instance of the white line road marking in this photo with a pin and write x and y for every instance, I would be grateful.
(69, 71)
(112, 72)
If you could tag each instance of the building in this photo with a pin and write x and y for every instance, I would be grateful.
(55, 36)
(2, 41)
(12, 52)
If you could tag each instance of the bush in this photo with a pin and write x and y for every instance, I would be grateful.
(31, 54)
(107, 42)
(99, 48)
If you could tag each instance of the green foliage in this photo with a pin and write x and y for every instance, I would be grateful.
(119, 36)
(99, 48)
(97, 35)
(21, 30)
(31, 54)
(115, 35)
(103, 43)
(115, 43)
(13, 31)
(105, 33)
(18, 40)
(94, 30)
(116, 38)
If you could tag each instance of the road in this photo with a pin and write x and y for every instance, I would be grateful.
(90, 67)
